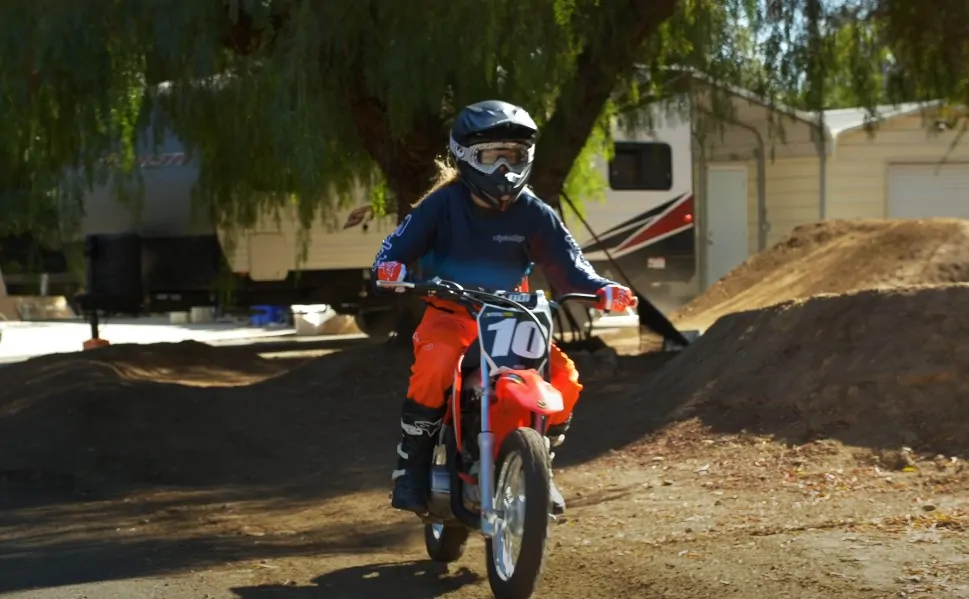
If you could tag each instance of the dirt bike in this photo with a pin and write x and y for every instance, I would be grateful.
(491, 467)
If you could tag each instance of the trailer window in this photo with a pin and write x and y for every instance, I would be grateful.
(643, 166)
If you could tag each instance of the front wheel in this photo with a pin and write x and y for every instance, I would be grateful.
(445, 543)
(516, 554)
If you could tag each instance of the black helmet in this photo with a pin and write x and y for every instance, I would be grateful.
(493, 143)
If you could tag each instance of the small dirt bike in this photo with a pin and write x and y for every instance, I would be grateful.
(490, 469)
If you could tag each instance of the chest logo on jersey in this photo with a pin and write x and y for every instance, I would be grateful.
(508, 239)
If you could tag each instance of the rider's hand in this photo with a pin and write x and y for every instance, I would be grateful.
(615, 298)
(394, 272)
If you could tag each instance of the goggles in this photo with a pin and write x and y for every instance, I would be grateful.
(489, 157)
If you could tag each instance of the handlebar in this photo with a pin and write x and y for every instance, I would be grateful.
(473, 300)
(453, 291)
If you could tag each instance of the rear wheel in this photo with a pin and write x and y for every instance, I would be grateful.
(445, 543)
(516, 555)
(375, 322)
(380, 319)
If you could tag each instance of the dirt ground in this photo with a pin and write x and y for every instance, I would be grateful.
(814, 448)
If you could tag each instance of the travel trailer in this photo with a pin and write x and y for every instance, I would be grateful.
(645, 225)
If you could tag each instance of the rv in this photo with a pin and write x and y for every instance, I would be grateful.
(644, 230)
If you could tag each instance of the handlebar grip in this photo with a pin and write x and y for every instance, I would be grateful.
(578, 297)
(402, 284)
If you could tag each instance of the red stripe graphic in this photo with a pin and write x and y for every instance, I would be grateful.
(678, 217)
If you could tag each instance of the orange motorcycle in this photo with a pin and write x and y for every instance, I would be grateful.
(490, 469)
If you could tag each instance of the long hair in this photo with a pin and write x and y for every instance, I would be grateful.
(447, 175)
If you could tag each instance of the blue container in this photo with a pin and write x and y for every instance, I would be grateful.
(267, 315)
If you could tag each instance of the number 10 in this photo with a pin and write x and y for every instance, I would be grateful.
(519, 336)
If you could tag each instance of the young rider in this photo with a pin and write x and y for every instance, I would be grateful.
(480, 227)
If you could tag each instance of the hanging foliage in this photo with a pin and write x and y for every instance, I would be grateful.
(297, 104)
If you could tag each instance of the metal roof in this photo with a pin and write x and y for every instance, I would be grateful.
(836, 121)
(842, 120)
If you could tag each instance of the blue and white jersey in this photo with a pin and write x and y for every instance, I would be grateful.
(453, 238)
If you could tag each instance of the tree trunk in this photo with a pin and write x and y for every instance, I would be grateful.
(614, 45)
(408, 166)
(407, 163)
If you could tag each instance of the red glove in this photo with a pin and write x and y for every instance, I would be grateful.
(394, 272)
(615, 298)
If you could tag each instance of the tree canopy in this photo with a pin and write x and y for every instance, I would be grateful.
(297, 102)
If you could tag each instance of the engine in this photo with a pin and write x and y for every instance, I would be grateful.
(471, 392)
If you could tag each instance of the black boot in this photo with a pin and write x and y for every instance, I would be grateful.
(419, 427)
(556, 436)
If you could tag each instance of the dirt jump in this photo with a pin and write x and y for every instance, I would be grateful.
(837, 257)
(812, 443)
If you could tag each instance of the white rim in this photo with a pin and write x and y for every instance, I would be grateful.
(510, 501)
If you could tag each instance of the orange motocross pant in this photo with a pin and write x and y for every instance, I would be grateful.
(442, 338)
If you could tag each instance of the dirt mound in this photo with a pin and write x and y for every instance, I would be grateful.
(160, 413)
(188, 414)
(187, 363)
(836, 257)
(876, 368)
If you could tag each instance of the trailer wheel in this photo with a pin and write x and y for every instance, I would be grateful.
(376, 323)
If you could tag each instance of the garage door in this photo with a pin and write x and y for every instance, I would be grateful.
(928, 190)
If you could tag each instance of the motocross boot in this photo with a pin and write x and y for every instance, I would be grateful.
(419, 424)
(556, 436)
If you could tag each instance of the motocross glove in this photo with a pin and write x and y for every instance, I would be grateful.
(615, 298)
(394, 272)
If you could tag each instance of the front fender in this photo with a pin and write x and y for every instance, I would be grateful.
(529, 390)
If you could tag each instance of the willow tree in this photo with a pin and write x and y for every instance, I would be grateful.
(298, 101)
(293, 103)
(822, 54)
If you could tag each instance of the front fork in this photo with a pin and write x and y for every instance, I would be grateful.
(486, 469)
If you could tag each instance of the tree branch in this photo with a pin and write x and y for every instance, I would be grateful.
(624, 26)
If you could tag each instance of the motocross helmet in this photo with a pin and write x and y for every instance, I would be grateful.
(493, 143)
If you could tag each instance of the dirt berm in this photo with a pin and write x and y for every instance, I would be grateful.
(836, 257)
(189, 414)
(881, 368)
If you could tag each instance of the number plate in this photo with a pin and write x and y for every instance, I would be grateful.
(512, 338)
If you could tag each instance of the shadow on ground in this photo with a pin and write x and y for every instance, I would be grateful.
(52, 561)
(618, 409)
(423, 580)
